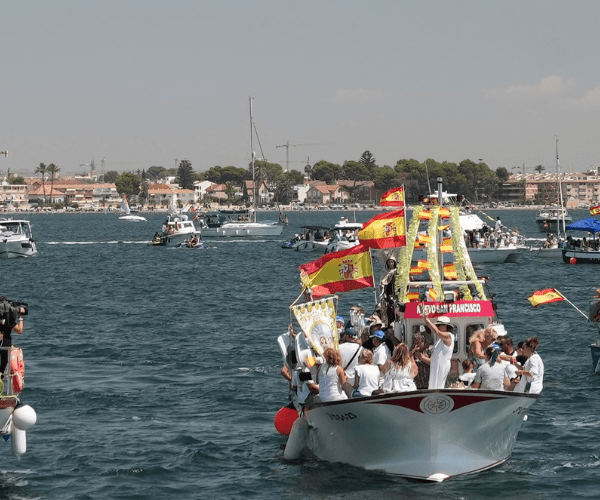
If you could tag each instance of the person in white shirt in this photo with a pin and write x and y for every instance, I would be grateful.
(442, 351)
(381, 353)
(350, 349)
(532, 373)
(367, 375)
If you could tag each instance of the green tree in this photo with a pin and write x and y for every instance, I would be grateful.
(213, 174)
(230, 191)
(235, 175)
(156, 173)
(185, 174)
(145, 185)
(53, 171)
(325, 171)
(368, 160)
(111, 176)
(502, 174)
(385, 178)
(128, 183)
(42, 169)
(539, 169)
(17, 180)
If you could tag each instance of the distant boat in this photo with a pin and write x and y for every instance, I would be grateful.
(127, 215)
(177, 230)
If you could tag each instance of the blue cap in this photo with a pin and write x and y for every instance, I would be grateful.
(357, 306)
(350, 331)
(379, 334)
(339, 318)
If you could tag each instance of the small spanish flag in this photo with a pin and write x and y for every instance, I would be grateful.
(417, 270)
(424, 238)
(450, 272)
(444, 213)
(386, 230)
(433, 294)
(424, 264)
(412, 296)
(338, 272)
(393, 198)
(446, 246)
(595, 210)
(545, 296)
(425, 215)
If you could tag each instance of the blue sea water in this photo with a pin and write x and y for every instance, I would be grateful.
(155, 371)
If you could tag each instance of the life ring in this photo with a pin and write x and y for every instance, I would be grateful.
(17, 369)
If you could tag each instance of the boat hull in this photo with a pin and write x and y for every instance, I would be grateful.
(595, 348)
(581, 257)
(232, 230)
(551, 225)
(428, 435)
(13, 248)
(502, 255)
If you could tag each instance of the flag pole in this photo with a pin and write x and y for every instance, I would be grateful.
(574, 306)
(373, 274)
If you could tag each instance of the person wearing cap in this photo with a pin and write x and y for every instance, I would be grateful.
(350, 349)
(339, 322)
(381, 353)
(442, 351)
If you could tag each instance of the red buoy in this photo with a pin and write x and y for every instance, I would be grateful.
(572, 260)
(284, 419)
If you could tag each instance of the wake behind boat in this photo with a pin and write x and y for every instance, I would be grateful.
(429, 434)
(16, 239)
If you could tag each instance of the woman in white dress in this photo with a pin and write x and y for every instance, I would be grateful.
(331, 377)
(399, 371)
(533, 370)
(366, 376)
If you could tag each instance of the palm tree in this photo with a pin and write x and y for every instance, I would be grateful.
(53, 169)
(42, 169)
(539, 169)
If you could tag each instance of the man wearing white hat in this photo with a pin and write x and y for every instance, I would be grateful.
(442, 351)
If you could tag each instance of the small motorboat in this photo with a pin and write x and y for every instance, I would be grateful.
(16, 239)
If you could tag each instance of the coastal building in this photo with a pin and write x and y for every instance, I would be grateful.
(579, 189)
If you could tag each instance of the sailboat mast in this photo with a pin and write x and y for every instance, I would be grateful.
(560, 197)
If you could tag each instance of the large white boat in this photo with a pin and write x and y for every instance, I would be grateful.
(237, 223)
(177, 231)
(427, 434)
(509, 251)
(126, 211)
(16, 239)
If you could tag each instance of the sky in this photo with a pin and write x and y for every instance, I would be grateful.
(142, 83)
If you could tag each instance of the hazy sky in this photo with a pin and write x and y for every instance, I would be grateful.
(141, 82)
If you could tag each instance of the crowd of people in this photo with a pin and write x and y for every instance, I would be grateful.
(374, 361)
(491, 237)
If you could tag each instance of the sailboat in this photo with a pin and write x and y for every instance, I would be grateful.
(127, 215)
(552, 220)
(224, 223)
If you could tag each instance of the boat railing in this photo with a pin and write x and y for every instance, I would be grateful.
(7, 385)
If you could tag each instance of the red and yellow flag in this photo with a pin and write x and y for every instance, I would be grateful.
(425, 215)
(393, 198)
(385, 230)
(595, 210)
(338, 272)
(545, 296)
(425, 264)
(446, 246)
(450, 272)
(424, 238)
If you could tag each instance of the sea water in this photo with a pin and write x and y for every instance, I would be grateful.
(155, 371)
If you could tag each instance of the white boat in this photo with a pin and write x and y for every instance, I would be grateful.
(427, 434)
(549, 219)
(311, 239)
(507, 253)
(16, 239)
(177, 230)
(127, 215)
(236, 224)
(345, 235)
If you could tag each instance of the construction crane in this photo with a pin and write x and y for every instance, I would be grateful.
(287, 151)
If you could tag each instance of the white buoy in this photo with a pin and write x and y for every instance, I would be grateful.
(18, 441)
(297, 439)
(24, 417)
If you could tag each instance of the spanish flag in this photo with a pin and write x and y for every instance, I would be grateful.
(595, 210)
(446, 246)
(425, 215)
(393, 198)
(338, 272)
(545, 296)
(450, 272)
(385, 230)
(425, 264)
